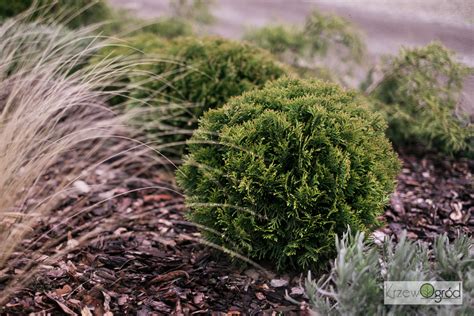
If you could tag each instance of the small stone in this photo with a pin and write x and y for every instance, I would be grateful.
(378, 236)
(72, 243)
(297, 291)
(278, 283)
(82, 186)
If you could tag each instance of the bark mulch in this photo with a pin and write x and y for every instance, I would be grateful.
(147, 260)
(435, 195)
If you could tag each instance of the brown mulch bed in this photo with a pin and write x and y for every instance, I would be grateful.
(147, 260)
(435, 194)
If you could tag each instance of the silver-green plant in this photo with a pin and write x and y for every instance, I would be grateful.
(354, 285)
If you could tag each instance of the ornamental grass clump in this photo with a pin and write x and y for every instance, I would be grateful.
(276, 173)
(420, 94)
(54, 130)
(192, 76)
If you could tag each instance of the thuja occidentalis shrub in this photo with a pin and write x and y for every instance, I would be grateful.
(277, 173)
(194, 75)
(354, 285)
(420, 95)
(73, 13)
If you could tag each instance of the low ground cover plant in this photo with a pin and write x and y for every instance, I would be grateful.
(276, 173)
(420, 95)
(354, 285)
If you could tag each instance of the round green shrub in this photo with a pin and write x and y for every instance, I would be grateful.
(90, 11)
(197, 74)
(420, 94)
(276, 173)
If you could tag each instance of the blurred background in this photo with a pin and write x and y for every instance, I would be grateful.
(385, 24)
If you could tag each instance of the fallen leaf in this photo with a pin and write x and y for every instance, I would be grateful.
(66, 289)
(165, 241)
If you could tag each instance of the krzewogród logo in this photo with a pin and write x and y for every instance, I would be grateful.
(423, 293)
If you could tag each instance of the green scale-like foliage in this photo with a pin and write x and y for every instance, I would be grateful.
(198, 74)
(75, 12)
(420, 94)
(291, 166)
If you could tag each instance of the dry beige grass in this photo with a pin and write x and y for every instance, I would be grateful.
(49, 107)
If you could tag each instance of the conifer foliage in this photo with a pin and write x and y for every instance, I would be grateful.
(420, 94)
(276, 173)
(194, 75)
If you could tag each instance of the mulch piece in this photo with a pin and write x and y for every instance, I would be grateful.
(147, 260)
